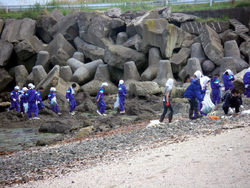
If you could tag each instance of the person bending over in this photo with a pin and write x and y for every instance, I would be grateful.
(232, 100)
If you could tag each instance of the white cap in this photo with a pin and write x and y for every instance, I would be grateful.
(30, 85)
(104, 84)
(198, 74)
(52, 89)
(16, 88)
(25, 88)
(121, 82)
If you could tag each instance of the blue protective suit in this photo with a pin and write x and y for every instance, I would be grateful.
(228, 81)
(53, 106)
(14, 100)
(194, 91)
(246, 81)
(40, 100)
(70, 96)
(31, 95)
(122, 94)
(101, 103)
(215, 90)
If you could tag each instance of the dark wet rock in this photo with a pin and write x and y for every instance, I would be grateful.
(5, 78)
(81, 96)
(57, 126)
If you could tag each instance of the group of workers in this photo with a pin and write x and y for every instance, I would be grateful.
(30, 100)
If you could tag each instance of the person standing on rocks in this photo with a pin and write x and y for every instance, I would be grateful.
(39, 99)
(53, 101)
(166, 101)
(100, 101)
(122, 94)
(232, 100)
(23, 100)
(70, 98)
(246, 81)
(14, 98)
(215, 85)
(31, 95)
(228, 77)
(192, 93)
(203, 81)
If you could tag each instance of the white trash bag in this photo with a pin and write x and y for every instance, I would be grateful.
(116, 104)
(207, 105)
(26, 106)
(53, 101)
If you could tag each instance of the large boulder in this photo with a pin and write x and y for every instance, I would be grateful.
(245, 50)
(91, 51)
(133, 42)
(5, 52)
(121, 38)
(5, 78)
(55, 126)
(57, 15)
(179, 60)
(79, 56)
(211, 43)
(28, 47)
(153, 63)
(97, 28)
(86, 73)
(21, 75)
(164, 72)
(60, 42)
(45, 21)
(67, 26)
(39, 73)
(192, 66)
(101, 75)
(238, 82)
(197, 52)
(178, 92)
(74, 64)
(229, 35)
(113, 13)
(208, 66)
(117, 55)
(142, 89)
(131, 74)
(43, 59)
(115, 74)
(232, 50)
(18, 30)
(59, 58)
(180, 17)
(66, 73)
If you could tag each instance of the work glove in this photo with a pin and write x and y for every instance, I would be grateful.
(38, 102)
(241, 106)
(167, 104)
(68, 100)
(246, 86)
(14, 100)
(221, 84)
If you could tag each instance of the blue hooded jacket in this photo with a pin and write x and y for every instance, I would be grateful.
(69, 94)
(215, 83)
(39, 96)
(194, 91)
(14, 95)
(246, 78)
(100, 92)
(31, 95)
(51, 95)
(228, 80)
(122, 90)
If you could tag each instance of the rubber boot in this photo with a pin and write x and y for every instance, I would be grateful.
(198, 115)
(161, 118)
(191, 113)
(170, 117)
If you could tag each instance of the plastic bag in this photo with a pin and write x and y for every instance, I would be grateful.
(26, 106)
(221, 92)
(207, 105)
(116, 104)
(53, 101)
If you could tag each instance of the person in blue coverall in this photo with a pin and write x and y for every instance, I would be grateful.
(100, 101)
(53, 102)
(70, 98)
(203, 81)
(23, 99)
(192, 93)
(39, 99)
(14, 98)
(215, 85)
(31, 95)
(228, 77)
(122, 91)
(246, 81)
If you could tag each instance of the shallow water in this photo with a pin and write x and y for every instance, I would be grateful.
(21, 138)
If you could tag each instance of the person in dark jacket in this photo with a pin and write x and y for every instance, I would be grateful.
(14, 99)
(215, 85)
(31, 95)
(193, 93)
(228, 77)
(246, 81)
(70, 98)
(122, 91)
(100, 101)
(166, 101)
(232, 100)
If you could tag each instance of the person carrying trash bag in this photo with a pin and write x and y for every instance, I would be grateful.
(100, 101)
(232, 99)
(53, 102)
(228, 77)
(246, 81)
(23, 100)
(192, 93)
(215, 85)
(31, 95)
(166, 101)
(203, 81)
(70, 98)
(14, 99)
(122, 91)
(39, 99)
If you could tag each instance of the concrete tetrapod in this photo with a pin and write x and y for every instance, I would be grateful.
(164, 73)
(21, 75)
(101, 75)
(43, 59)
(39, 73)
(74, 64)
(131, 74)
